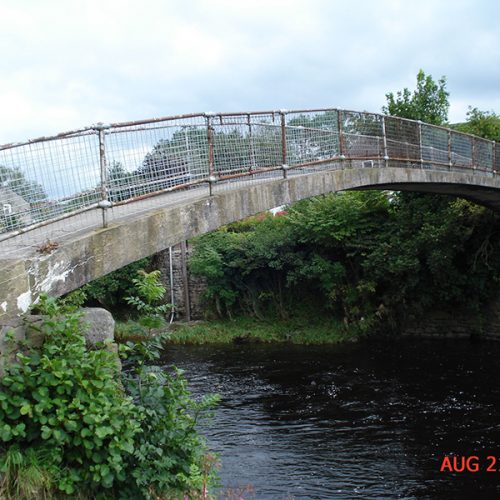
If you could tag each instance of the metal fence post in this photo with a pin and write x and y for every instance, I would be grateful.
(420, 144)
(251, 153)
(493, 157)
(104, 204)
(473, 154)
(210, 138)
(284, 164)
(450, 164)
(341, 136)
(384, 135)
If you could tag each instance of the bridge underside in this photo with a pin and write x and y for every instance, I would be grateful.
(83, 256)
(482, 196)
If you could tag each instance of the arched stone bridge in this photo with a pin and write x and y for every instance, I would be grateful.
(81, 204)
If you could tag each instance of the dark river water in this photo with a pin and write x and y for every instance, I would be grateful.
(366, 420)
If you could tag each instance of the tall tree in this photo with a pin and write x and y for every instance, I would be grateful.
(485, 124)
(428, 102)
(163, 167)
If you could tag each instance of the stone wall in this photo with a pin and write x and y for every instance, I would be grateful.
(458, 324)
(195, 284)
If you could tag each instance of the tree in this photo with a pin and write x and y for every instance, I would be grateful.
(484, 124)
(428, 103)
(15, 180)
(121, 184)
(164, 167)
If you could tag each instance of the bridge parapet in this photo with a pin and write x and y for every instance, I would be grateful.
(92, 169)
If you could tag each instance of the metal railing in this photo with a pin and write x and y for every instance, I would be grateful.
(102, 166)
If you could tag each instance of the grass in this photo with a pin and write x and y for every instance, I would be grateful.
(245, 330)
(250, 330)
(25, 474)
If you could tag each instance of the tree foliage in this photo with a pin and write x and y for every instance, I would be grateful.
(15, 180)
(484, 124)
(364, 257)
(110, 290)
(428, 102)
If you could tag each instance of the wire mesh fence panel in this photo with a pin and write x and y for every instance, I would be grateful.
(363, 135)
(232, 143)
(266, 140)
(434, 144)
(311, 136)
(461, 150)
(46, 179)
(483, 154)
(153, 157)
(65, 176)
(403, 139)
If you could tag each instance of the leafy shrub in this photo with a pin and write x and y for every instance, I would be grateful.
(110, 291)
(81, 429)
(370, 259)
(148, 299)
(168, 454)
(69, 399)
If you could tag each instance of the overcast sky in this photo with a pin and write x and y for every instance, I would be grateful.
(66, 64)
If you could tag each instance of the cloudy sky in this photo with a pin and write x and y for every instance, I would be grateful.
(70, 63)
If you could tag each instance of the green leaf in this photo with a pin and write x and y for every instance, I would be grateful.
(85, 432)
(71, 425)
(102, 432)
(25, 409)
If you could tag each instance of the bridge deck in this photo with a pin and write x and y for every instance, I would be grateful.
(56, 190)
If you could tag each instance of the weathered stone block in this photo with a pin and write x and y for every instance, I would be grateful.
(98, 325)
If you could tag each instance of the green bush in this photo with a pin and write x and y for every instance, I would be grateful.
(110, 290)
(169, 454)
(369, 258)
(148, 300)
(69, 399)
(81, 428)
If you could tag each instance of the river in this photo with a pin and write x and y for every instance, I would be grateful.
(365, 420)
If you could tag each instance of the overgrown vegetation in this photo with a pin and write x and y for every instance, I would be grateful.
(362, 257)
(111, 290)
(70, 424)
(148, 300)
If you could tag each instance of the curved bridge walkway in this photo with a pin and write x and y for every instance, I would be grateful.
(81, 204)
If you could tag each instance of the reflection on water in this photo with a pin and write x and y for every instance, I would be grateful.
(368, 420)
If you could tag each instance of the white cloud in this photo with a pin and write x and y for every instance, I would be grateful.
(68, 64)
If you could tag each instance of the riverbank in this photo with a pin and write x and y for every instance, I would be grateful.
(246, 330)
